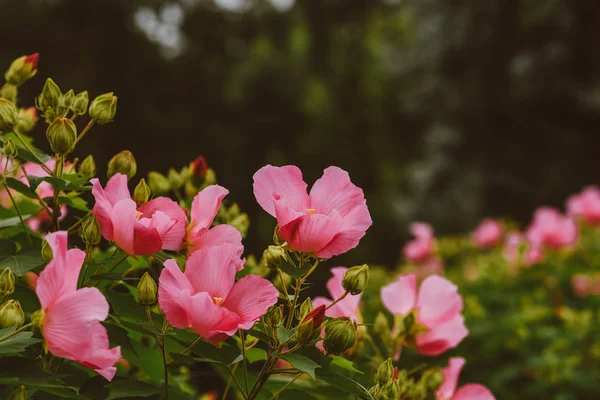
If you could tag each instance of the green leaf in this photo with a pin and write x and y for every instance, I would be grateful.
(17, 343)
(8, 222)
(130, 388)
(284, 334)
(344, 383)
(255, 354)
(74, 202)
(7, 247)
(67, 182)
(294, 394)
(22, 262)
(21, 188)
(295, 272)
(111, 276)
(143, 327)
(345, 364)
(301, 363)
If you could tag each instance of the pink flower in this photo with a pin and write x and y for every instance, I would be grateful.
(585, 205)
(206, 297)
(533, 255)
(550, 228)
(512, 246)
(71, 324)
(158, 224)
(472, 391)
(347, 307)
(582, 285)
(421, 248)
(438, 307)
(329, 221)
(488, 233)
(204, 209)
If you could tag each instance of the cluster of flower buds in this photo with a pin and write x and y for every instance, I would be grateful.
(191, 178)
(235, 217)
(391, 384)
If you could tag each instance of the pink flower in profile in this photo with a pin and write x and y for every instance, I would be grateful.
(585, 205)
(71, 323)
(550, 228)
(438, 307)
(329, 221)
(204, 209)
(488, 233)
(471, 391)
(158, 224)
(206, 297)
(348, 306)
(421, 248)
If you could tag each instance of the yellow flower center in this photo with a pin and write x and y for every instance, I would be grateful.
(310, 211)
(218, 301)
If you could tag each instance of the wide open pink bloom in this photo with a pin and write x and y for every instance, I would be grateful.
(438, 307)
(550, 228)
(329, 221)
(488, 233)
(204, 209)
(421, 248)
(585, 205)
(471, 391)
(347, 307)
(206, 297)
(71, 324)
(158, 224)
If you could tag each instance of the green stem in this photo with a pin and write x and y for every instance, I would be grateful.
(58, 171)
(338, 300)
(103, 265)
(149, 315)
(228, 385)
(18, 212)
(294, 303)
(277, 393)
(15, 332)
(85, 130)
(245, 360)
(165, 364)
(42, 164)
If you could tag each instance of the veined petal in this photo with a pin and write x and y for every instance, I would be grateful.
(216, 236)
(205, 206)
(102, 209)
(250, 298)
(208, 319)
(442, 337)
(274, 183)
(400, 297)
(170, 231)
(335, 191)
(438, 300)
(451, 374)
(212, 270)
(312, 232)
(99, 356)
(172, 284)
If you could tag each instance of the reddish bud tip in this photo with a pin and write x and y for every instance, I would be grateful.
(395, 376)
(199, 167)
(33, 60)
(317, 316)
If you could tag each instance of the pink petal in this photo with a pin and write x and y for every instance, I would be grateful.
(473, 392)
(347, 307)
(131, 235)
(205, 206)
(170, 231)
(171, 284)
(335, 191)
(442, 337)
(218, 235)
(274, 183)
(421, 230)
(210, 321)
(99, 356)
(102, 210)
(250, 298)
(311, 233)
(284, 213)
(400, 297)
(451, 374)
(60, 276)
(355, 225)
(146, 240)
(334, 284)
(438, 300)
(212, 270)
(172, 234)
(319, 301)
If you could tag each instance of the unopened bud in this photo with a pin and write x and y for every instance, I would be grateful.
(159, 184)
(432, 379)
(375, 392)
(20, 394)
(26, 119)
(381, 325)
(8, 115)
(147, 289)
(274, 317)
(340, 335)
(103, 108)
(9, 92)
(274, 256)
(142, 193)
(384, 373)
(305, 308)
(66, 100)
(310, 328)
(22, 69)
(391, 390)
(46, 252)
(175, 179)
(7, 282)
(11, 314)
(50, 96)
(88, 166)
(89, 230)
(356, 279)
(10, 150)
(199, 168)
(79, 105)
(37, 318)
(210, 178)
(62, 135)
(122, 163)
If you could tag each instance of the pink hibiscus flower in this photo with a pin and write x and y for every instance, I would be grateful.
(585, 205)
(421, 248)
(329, 221)
(472, 391)
(488, 233)
(550, 228)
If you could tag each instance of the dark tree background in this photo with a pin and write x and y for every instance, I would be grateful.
(442, 110)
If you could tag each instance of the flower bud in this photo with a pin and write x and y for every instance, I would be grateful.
(175, 179)
(381, 325)
(375, 392)
(11, 314)
(310, 328)
(10, 150)
(305, 308)
(46, 252)
(384, 373)
(274, 316)
(210, 178)
(80, 102)
(50, 96)
(432, 379)
(141, 193)
(8, 115)
(103, 108)
(9, 92)
(391, 390)
(20, 394)
(62, 135)
(159, 184)
(89, 230)
(7, 282)
(274, 256)
(340, 335)
(199, 168)
(37, 318)
(22, 69)
(30, 279)
(356, 279)
(66, 100)
(26, 119)
(147, 289)
(88, 166)
(122, 163)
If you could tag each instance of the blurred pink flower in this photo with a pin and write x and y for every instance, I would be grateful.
(438, 306)
(512, 245)
(488, 233)
(533, 255)
(71, 324)
(422, 246)
(471, 391)
(347, 307)
(329, 221)
(582, 285)
(158, 224)
(550, 228)
(206, 297)
(585, 205)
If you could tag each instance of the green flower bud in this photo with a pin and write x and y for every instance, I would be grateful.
(37, 319)
(159, 184)
(46, 252)
(375, 391)
(384, 373)
(274, 256)
(22, 69)
(210, 178)
(147, 289)
(89, 230)
(175, 179)
(122, 163)
(8, 115)
(10, 150)
(79, 105)
(61, 135)
(391, 390)
(141, 193)
(50, 96)
(26, 119)
(11, 314)
(356, 279)
(381, 325)
(103, 108)
(310, 328)
(305, 308)
(7, 282)
(432, 379)
(20, 394)
(88, 166)
(66, 100)
(9, 92)
(340, 335)
(274, 316)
